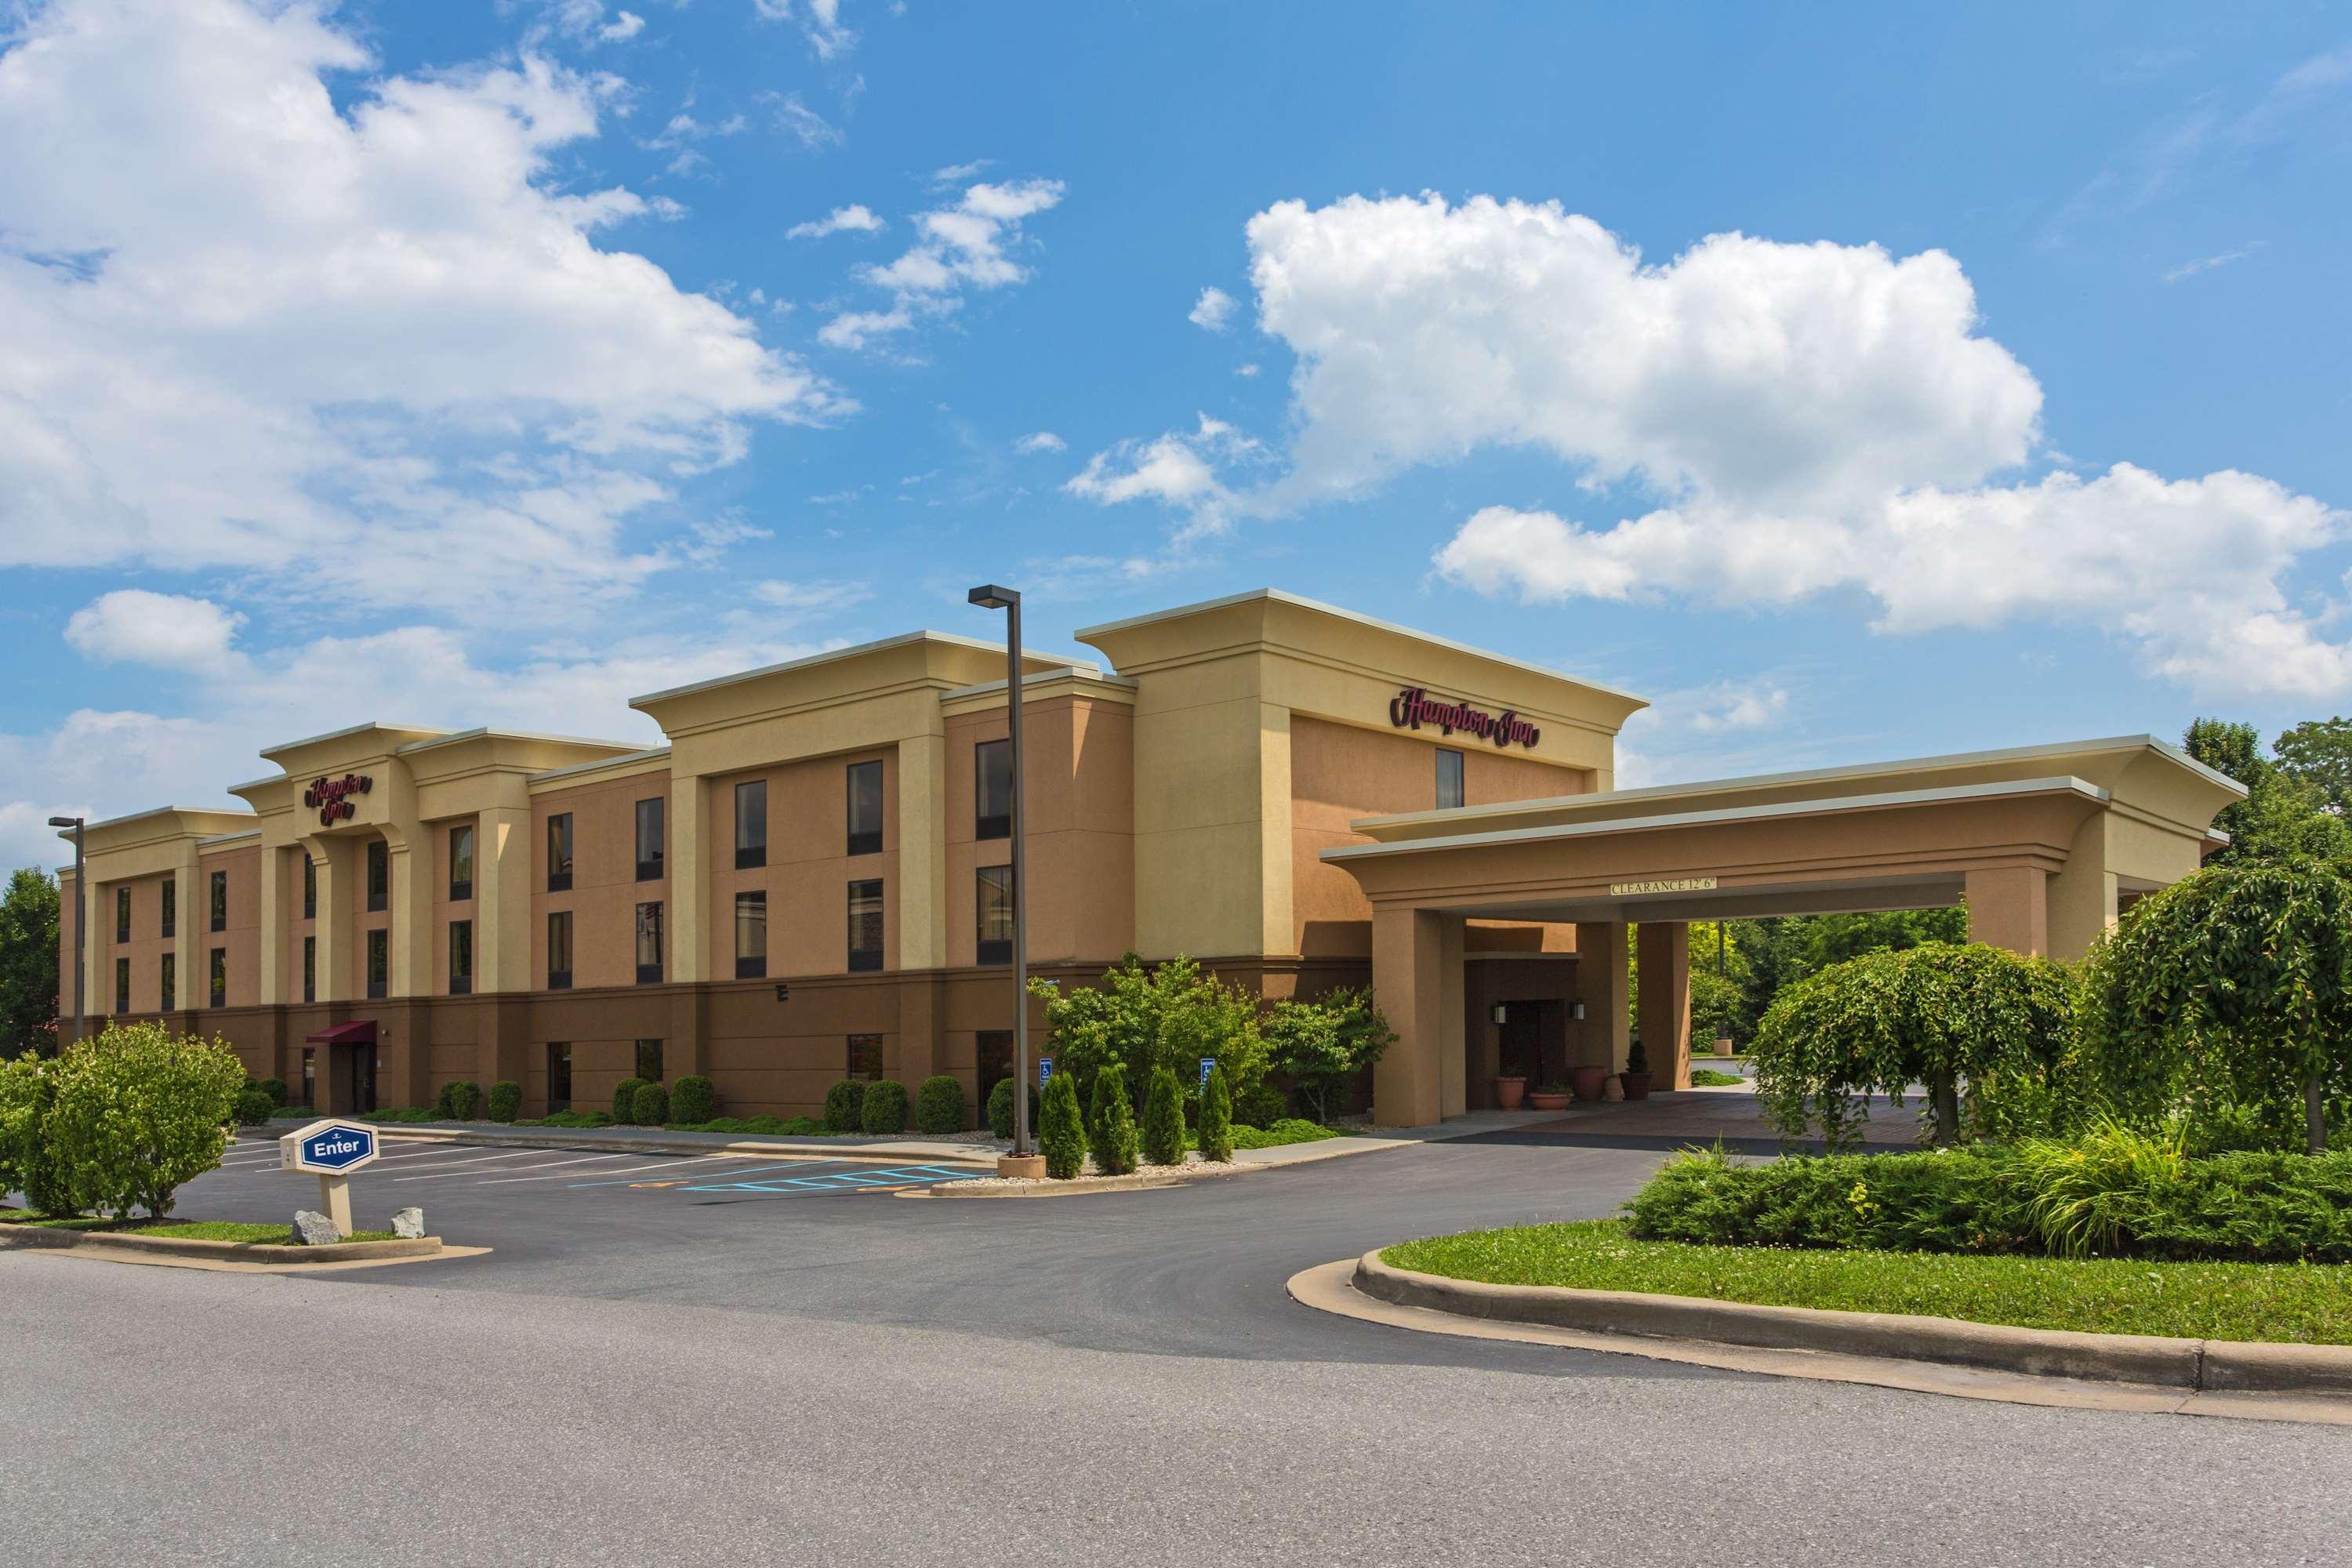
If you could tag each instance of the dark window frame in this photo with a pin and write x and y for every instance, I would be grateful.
(559, 1053)
(461, 889)
(309, 887)
(461, 985)
(169, 924)
(864, 840)
(859, 1045)
(747, 855)
(985, 824)
(309, 969)
(559, 979)
(220, 900)
(866, 960)
(653, 869)
(217, 980)
(379, 976)
(167, 982)
(122, 914)
(656, 1062)
(310, 1077)
(650, 974)
(123, 985)
(987, 949)
(558, 828)
(1461, 788)
(379, 876)
(752, 966)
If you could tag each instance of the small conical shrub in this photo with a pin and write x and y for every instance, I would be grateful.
(1163, 1120)
(1112, 1133)
(1061, 1136)
(1000, 1108)
(1216, 1118)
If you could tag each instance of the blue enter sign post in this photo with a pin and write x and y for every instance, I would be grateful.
(332, 1151)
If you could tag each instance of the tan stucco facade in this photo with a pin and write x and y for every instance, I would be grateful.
(1252, 781)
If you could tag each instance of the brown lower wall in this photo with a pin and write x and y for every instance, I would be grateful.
(765, 1057)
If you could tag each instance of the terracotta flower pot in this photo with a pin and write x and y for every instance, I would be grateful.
(1510, 1091)
(1541, 1102)
(1637, 1085)
(1589, 1082)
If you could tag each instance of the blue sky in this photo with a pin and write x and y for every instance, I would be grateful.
(1854, 383)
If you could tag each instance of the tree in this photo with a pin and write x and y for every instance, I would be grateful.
(28, 964)
(28, 1161)
(1324, 1046)
(2284, 813)
(1170, 1015)
(140, 1112)
(1772, 953)
(1163, 1120)
(1938, 1014)
(1061, 1136)
(2231, 989)
(2318, 752)
(1110, 1129)
(1216, 1119)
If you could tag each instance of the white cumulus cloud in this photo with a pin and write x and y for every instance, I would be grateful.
(1213, 311)
(170, 631)
(1040, 441)
(854, 218)
(971, 245)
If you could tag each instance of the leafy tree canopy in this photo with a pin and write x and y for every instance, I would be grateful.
(2319, 752)
(28, 964)
(2287, 810)
(1144, 1017)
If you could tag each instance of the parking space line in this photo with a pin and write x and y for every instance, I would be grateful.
(788, 1165)
(462, 1167)
(574, 1160)
(656, 1165)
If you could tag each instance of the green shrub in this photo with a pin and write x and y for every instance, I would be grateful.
(763, 1126)
(1710, 1078)
(1163, 1120)
(693, 1099)
(938, 1106)
(884, 1110)
(1110, 1130)
(624, 1100)
(1324, 1048)
(275, 1088)
(139, 1111)
(649, 1106)
(571, 1119)
(1061, 1136)
(1283, 1129)
(1261, 1104)
(461, 1101)
(28, 1162)
(252, 1107)
(504, 1101)
(1001, 1108)
(845, 1106)
(1144, 1016)
(1216, 1119)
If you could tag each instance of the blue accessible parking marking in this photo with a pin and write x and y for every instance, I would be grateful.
(774, 1179)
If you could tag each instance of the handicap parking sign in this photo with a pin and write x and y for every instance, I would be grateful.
(1044, 1071)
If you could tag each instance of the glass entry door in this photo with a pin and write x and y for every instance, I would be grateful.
(362, 1079)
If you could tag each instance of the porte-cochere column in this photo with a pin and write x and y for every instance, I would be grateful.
(1417, 982)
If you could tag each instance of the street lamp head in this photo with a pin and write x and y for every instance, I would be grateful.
(989, 597)
(65, 822)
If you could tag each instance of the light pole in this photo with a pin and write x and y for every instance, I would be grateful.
(991, 596)
(81, 925)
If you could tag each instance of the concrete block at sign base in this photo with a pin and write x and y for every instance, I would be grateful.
(408, 1224)
(312, 1228)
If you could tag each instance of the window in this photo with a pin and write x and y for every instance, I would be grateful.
(559, 854)
(649, 1062)
(171, 997)
(650, 815)
(122, 914)
(1449, 779)
(751, 823)
(122, 986)
(995, 914)
(461, 862)
(309, 888)
(993, 1056)
(378, 963)
(866, 1056)
(310, 1076)
(219, 998)
(170, 926)
(750, 936)
(379, 875)
(559, 1077)
(461, 958)
(866, 809)
(220, 900)
(865, 925)
(558, 949)
(309, 969)
(649, 944)
(991, 771)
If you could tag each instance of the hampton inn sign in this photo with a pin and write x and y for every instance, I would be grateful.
(1413, 707)
(330, 798)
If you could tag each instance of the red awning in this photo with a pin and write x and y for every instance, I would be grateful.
(358, 1032)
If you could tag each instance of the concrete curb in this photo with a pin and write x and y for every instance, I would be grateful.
(2146, 1359)
(1077, 1185)
(103, 1244)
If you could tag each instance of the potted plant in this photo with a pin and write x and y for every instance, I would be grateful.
(1636, 1076)
(1549, 1097)
(1510, 1091)
(1590, 1082)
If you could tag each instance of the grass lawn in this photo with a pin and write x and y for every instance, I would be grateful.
(186, 1229)
(2301, 1302)
(1707, 1078)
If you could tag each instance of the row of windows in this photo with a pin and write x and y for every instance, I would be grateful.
(168, 997)
(169, 924)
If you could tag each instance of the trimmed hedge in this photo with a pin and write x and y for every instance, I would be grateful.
(1216, 1119)
(2109, 1194)
(649, 1106)
(845, 1106)
(505, 1101)
(1110, 1129)
(884, 1110)
(1163, 1120)
(938, 1106)
(1000, 1108)
(693, 1099)
(460, 1101)
(1061, 1135)
(624, 1100)
(253, 1106)
(275, 1088)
